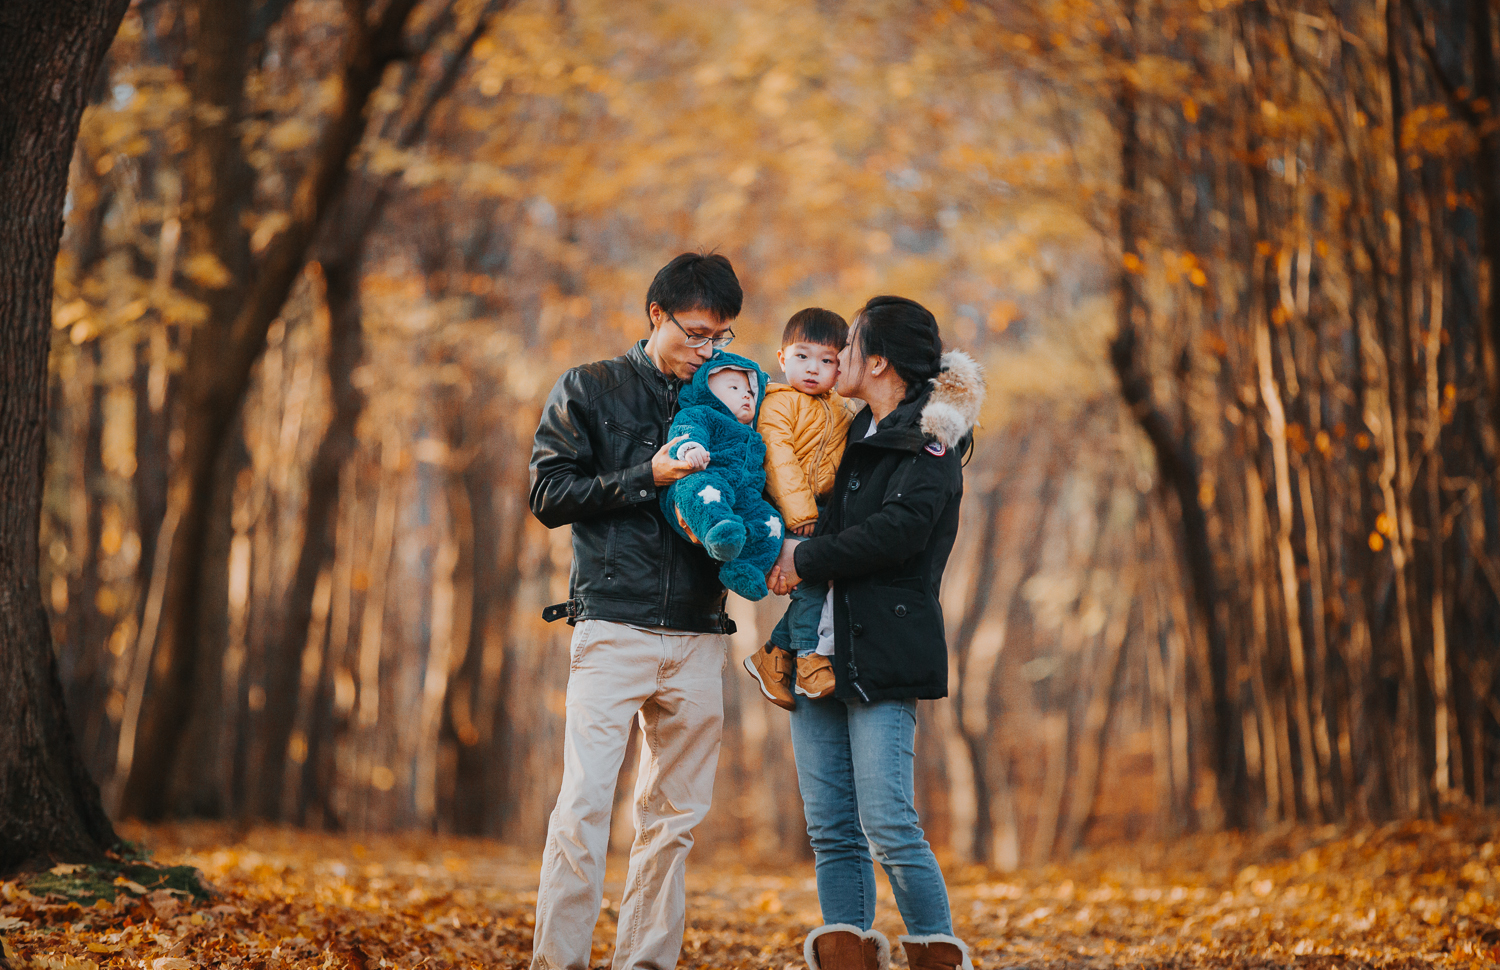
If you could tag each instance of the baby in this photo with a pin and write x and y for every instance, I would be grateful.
(804, 424)
(720, 506)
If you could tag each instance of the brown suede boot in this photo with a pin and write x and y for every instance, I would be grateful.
(814, 676)
(937, 952)
(772, 668)
(840, 946)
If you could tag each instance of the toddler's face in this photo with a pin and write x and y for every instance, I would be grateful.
(810, 368)
(734, 388)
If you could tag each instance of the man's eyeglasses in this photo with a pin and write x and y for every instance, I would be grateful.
(696, 340)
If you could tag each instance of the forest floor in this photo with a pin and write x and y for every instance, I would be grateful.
(1408, 895)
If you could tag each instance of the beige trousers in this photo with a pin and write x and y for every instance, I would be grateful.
(674, 684)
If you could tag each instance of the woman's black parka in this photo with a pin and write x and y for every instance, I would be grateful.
(883, 540)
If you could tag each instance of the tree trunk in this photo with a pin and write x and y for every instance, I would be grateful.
(223, 353)
(1175, 460)
(49, 53)
(342, 252)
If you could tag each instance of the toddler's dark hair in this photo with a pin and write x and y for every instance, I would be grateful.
(816, 325)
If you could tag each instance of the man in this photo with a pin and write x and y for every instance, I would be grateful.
(650, 634)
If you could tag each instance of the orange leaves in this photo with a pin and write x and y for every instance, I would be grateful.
(1422, 892)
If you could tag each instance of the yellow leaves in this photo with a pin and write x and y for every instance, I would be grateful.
(206, 270)
(135, 887)
(1001, 316)
(771, 94)
(898, 81)
(66, 316)
(744, 175)
(61, 963)
(291, 135)
(267, 228)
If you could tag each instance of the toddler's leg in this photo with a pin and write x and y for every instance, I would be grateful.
(703, 503)
(802, 617)
(746, 575)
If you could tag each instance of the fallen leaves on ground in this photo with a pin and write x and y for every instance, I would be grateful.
(1407, 895)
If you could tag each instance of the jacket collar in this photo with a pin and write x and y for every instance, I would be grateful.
(642, 362)
(901, 430)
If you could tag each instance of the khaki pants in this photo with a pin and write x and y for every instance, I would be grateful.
(674, 683)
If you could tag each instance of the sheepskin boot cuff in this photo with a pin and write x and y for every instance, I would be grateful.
(842, 946)
(936, 952)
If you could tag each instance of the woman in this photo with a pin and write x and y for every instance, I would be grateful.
(882, 544)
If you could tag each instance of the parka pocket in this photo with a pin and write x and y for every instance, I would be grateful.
(900, 641)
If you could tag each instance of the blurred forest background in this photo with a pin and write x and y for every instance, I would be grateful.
(1231, 541)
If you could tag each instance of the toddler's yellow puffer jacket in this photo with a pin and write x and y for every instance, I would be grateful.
(804, 442)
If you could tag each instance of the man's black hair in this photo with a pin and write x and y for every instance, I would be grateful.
(697, 281)
(816, 325)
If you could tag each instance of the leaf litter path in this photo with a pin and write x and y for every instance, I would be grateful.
(1412, 895)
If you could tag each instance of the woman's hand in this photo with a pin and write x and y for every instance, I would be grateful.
(783, 577)
(805, 529)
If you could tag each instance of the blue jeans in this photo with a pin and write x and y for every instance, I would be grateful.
(798, 629)
(854, 766)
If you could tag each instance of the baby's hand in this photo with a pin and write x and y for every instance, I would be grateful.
(806, 529)
(694, 454)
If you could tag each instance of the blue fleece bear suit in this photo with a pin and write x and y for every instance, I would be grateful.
(721, 507)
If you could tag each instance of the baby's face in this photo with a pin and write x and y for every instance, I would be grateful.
(734, 388)
(810, 368)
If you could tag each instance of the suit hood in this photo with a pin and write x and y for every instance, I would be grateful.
(697, 392)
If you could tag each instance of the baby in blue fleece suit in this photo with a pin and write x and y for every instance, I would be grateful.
(720, 507)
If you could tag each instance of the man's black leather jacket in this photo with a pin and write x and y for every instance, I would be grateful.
(591, 469)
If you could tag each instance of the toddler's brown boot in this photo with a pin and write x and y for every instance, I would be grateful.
(771, 667)
(814, 676)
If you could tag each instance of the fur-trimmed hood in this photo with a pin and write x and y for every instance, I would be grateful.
(952, 408)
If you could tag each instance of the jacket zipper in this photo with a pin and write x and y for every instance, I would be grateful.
(848, 607)
(817, 462)
(625, 433)
(668, 556)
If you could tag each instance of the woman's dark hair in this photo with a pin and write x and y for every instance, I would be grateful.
(905, 333)
(816, 325)
(697, 281)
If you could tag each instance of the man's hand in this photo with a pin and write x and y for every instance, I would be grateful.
(665, 469)
(783, 577)
(805, 529)
(695, 455)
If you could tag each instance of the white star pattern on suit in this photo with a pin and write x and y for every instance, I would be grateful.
(709, 494)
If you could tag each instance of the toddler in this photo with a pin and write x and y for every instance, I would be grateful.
(720, 506)
(804, 424)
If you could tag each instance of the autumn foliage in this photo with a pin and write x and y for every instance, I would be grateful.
(1413, 894)
(1231, 546)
